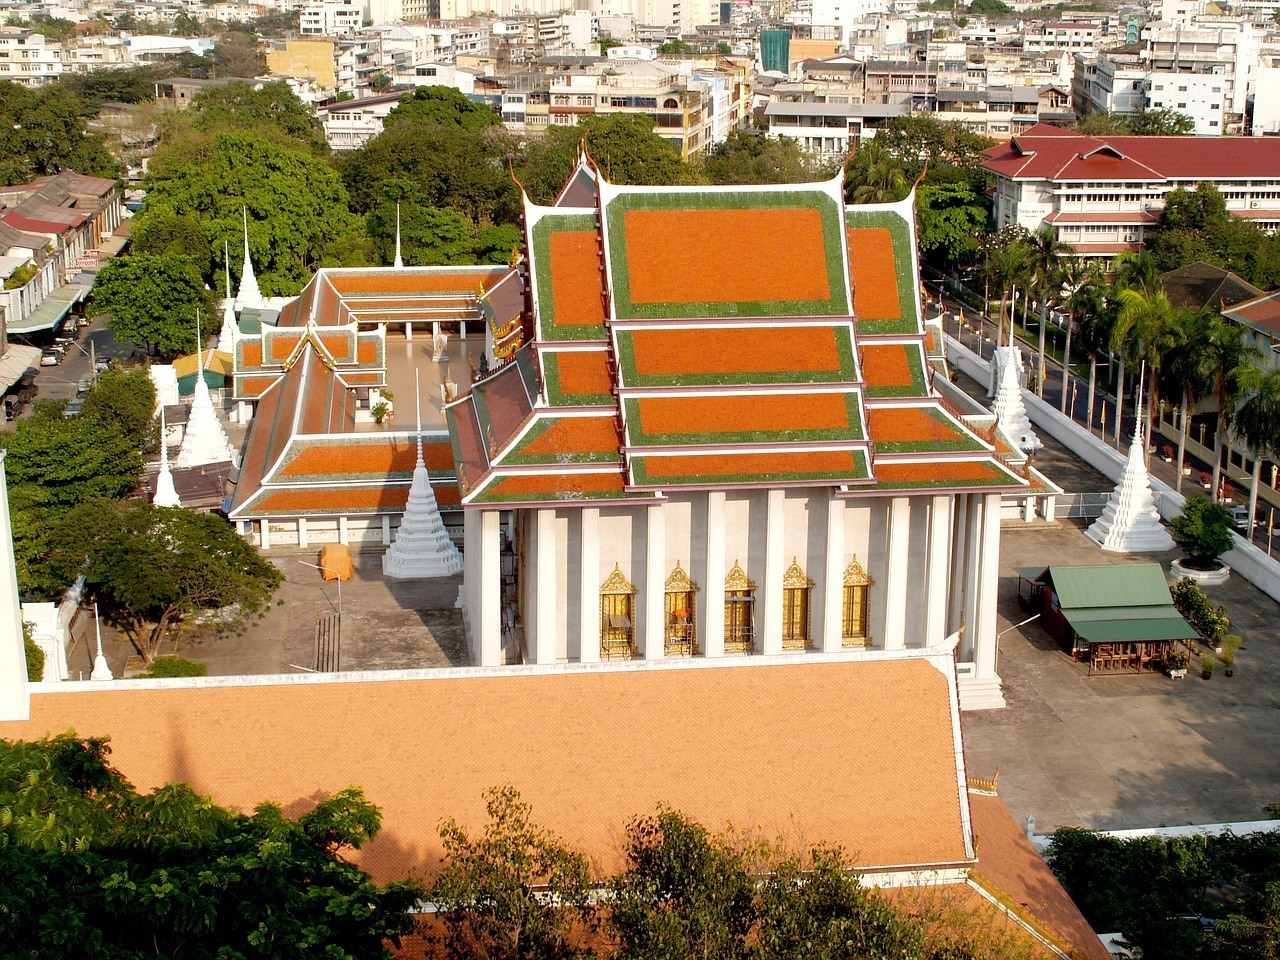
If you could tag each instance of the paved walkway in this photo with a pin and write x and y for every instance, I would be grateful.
(1133, 751)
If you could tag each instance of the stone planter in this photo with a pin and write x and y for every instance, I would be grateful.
(1177, 674)
(1205, 578)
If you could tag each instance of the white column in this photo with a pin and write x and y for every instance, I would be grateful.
(654, 598)
(462, 330)
(589, 576)
(939, 566)
(435, 331)
(15, 695)
(546, 599)
(895, 574)
(711, 605)
(485, 595)
(959, 555)
(984, 627)
(973, 572)
(832, 584)
(1049, 504)
(342, 530)
(386, 530)
(264, 534)
(408, 329)
(769, 597)
(302, 531)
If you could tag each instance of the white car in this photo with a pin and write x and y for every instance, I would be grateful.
(1239, 518)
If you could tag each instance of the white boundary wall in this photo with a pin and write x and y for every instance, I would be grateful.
(1246, 560)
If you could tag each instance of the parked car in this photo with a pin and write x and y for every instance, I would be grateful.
(73, 408)
(13, 405)
(1239, 517)
(51, 357)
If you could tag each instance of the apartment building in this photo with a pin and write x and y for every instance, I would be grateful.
(1069, 36)
(1104, 195)
(1006, 112)
(912, 82)
(1112, 82)
(1225, 47)
(26, 58)
(828, 130)
(331, 18)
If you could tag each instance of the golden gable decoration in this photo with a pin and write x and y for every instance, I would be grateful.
(855, 576)
(678, 581)
(794, 577)
(737, 579)
(617, 583)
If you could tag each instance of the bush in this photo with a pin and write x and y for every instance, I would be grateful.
(1203, 531)
(35, 656)
(1212, 623)
(165, 667)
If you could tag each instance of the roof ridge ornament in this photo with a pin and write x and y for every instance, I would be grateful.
(399, 262)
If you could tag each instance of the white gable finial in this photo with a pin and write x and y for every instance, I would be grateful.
(399, 260)
(417, 400)
(199, 346)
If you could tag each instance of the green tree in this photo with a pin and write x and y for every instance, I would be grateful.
(43, 132)
(299, 218)
(154, 565)
(169, 235)
(152, 300)
(444, 106)
(1203, 530)
(674, 48)
(1183, 374)
(513, 891)
(746, 157)
(920, 137)
(1148, 324)
(1161, 123)
(1258, 425)
(430, 235)
(953, 218)
(1252, 933)
(34, 655)
(92, 867)
(253, 108)
(1228, 365)
(237, 55)
(875, 175)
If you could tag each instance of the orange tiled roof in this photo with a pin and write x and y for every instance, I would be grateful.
(889, 364)
(908, 424)
(752, 464)
(563, 485)
(252, 353)
(743, 413)
(733, 255)
(576, 435)
(392, 455)
(583, 372)
(576, 278)
(414, 281)
(584, 781)
(686, 352)
(875, 275)
(961, 472)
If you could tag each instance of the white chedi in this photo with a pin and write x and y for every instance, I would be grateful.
(1130, 522)
(1011, 412)
(422, 547)
(205, 440)
(166, 493)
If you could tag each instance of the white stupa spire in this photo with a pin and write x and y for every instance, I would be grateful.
(205, 440)
(1010, 411)
(1130, 522)
(399, 264)
(166, 494)
(101, 669)
(248, 295)
(422, 547)
(227, 335)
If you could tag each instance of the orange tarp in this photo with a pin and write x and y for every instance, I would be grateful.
(335, 562)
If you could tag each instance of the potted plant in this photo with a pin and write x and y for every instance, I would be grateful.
(1175, 663)
(1228, 655)
(380, 410)
(1204, 533)
(1208, 660)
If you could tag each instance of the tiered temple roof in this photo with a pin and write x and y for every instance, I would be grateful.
(703, 337)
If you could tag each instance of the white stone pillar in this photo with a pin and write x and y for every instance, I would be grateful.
(386, 530)
(1050, 504)
(973, 571)
(939, 567)
(546, 600)
(832, 583)
(959, 555)
(264, 533)
(302, 531)
(589, 576)
(15, 695)
(769, 622)
(462, 331)
(984, 628)
(435, 332)
(343, 536)
(895, 574)
(711, 609)
(485, 595)
(654, 596)
(408, 329)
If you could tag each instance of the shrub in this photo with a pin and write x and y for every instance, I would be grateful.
(165, 667)
(1212, 623)
(35, 656)
(1203, 531)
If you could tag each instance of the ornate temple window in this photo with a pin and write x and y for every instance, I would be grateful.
(856, 619)
(739, 611)
(617, 617)
(679, 634)
(797, 591)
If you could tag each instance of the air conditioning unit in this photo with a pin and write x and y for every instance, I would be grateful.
(1253, 204)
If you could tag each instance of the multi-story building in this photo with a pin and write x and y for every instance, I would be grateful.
(1070, 36)
(1112, 82)
(331, 18)
(1203, 97)
(912, 82)
(1004, 113)
(26, 59)
(1224, 47)
(828, 129)
(1104, 195)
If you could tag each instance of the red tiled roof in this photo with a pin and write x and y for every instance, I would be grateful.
(1263, 312)
(707, 351)
(875, 274)
(1128, 217)
(1105, 247)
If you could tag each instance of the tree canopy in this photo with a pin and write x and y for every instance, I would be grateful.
(445, 106)
(260, 109)
(1197, 226)
(1147, 123)
(42, 132)
(93, 867)
(152, 300)
(746, 157)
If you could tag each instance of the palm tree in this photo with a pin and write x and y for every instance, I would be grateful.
(1137, 270)
(1095, 334)
(1257, 422)
(1008, 264)
(1046, 254)
(1182, 372)
(1084, 294)
(1147, 325)
(878, 176)
(1230, 368)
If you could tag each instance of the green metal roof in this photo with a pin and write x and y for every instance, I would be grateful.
(50, 310)
(1110, 585)
(1168, 627)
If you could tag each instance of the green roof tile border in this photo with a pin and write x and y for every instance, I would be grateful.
(837, 304)
(961, 442)
(515, 456)
(900, 242)
(556, 396)
(542, 231)
(847, 373)
(640, 475)
(639, 437)
(484, 496)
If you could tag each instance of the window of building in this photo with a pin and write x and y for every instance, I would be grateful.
(680, 633)
(797, 590)
(739, 611)
(856, 615)
(617, 617)
(671, 103)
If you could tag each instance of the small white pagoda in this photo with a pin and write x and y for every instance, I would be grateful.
(1130, 522)
(248, 294)
(205, 440)
(166, 493)
(422, 547)
(1010, 411)
(227, 335)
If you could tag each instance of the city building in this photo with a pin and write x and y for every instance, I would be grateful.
(1004, 113)
(828, 129)
(1103, 195)
(331, 18)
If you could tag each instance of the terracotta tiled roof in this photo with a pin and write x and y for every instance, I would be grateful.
(567, 439)
(806, 466)
(894, 369)
(669, 736)
(875, 274)
(373, 456)
(766, 417)
(579, 374)
(944, 474)
(738, 354)
(917, 428)
(561, 485)
(414, 280)
(575, 279)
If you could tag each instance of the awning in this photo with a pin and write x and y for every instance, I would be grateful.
(16, 361)
(1152, 627)
(50, 311)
